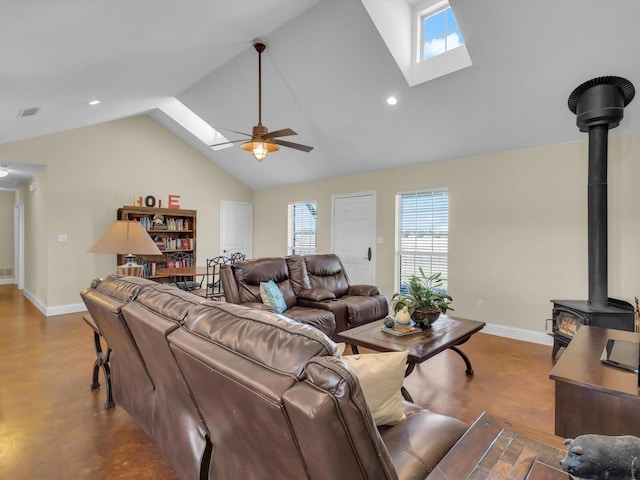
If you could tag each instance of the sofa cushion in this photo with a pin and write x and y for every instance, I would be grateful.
(298, 273)
(327, 272)
(323, 320)
(363, 309)
(239, 363)
(380, 376)
(420, 441)
(122, 287)
(265, 337)
(272, 296)
(316, 294)
(250, 273)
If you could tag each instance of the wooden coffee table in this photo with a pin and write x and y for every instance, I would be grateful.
(445, 334)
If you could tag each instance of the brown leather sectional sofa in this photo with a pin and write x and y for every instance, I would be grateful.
(316, 290)
(226, 391)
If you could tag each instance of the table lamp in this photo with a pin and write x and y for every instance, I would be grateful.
(127, 238)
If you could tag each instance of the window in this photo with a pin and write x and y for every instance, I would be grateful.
(423, 234)
(303, 219)
(440, 33)
(406, 25)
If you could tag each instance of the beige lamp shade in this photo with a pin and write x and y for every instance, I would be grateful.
(126, 238)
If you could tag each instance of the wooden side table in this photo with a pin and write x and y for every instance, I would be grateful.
(592, 397)
(102, 361)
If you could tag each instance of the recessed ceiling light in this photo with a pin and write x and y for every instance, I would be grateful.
(392, 100)
(4, 171)
(94, 102)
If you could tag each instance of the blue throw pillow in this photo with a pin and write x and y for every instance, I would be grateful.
(272, 296)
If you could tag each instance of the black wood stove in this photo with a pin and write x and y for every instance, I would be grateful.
(598, 105)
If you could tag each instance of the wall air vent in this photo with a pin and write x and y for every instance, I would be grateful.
(28, 112)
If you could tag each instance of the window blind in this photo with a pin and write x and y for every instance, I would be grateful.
(423, 231)
(302, 228)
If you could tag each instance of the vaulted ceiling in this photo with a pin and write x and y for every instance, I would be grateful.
(326, 74)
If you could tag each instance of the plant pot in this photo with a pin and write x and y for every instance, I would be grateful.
(433, 316)
(425, 319)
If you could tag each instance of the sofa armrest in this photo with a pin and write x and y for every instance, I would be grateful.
(316, 294)
(418, 443)
(364, 290)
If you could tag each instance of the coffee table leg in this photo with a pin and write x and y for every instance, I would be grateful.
(469, 370)
(405, 394)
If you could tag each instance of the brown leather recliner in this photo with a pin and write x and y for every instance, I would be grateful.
(177, 429)
(315, 287)
(241, 285)
(280, 403)
(320, 281)
(132, 386)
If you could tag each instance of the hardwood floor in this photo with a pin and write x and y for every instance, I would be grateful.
(52, 425)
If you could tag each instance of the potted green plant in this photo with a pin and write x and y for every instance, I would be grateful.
(424, 299)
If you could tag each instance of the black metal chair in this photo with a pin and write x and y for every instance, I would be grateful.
(236, 257)
(180, 260)
(212, 285)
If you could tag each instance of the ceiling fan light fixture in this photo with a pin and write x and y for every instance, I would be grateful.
(262, 141)
(259, 149)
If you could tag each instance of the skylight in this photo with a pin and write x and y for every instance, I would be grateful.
(423, 36)
(440, 33)
(195, 125)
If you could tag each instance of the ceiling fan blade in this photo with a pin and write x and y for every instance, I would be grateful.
(279, 133)
(234, 131)
(297, 146)
(229, 142)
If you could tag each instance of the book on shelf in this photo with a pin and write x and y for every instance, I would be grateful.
(173, 231)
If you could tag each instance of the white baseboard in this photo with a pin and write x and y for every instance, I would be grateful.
(57, 310)
(490, 328)
(62, 309)
(7, 281)
(35, 300)
(518, 334)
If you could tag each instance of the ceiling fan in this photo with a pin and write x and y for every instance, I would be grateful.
(262, 141)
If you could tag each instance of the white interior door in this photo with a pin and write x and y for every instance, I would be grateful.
(354, 230)
(236, 228)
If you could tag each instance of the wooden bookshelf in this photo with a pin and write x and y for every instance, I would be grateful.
(174, 232)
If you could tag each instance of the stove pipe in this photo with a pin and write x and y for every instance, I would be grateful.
(599, 104)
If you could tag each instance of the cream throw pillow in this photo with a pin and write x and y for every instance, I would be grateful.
(380, 376)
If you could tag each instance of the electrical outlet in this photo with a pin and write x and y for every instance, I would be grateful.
(480, 304)
(62, 237)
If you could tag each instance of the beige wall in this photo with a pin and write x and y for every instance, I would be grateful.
(517, 219)
(6, 233)
(92, 171)
(518, 231)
